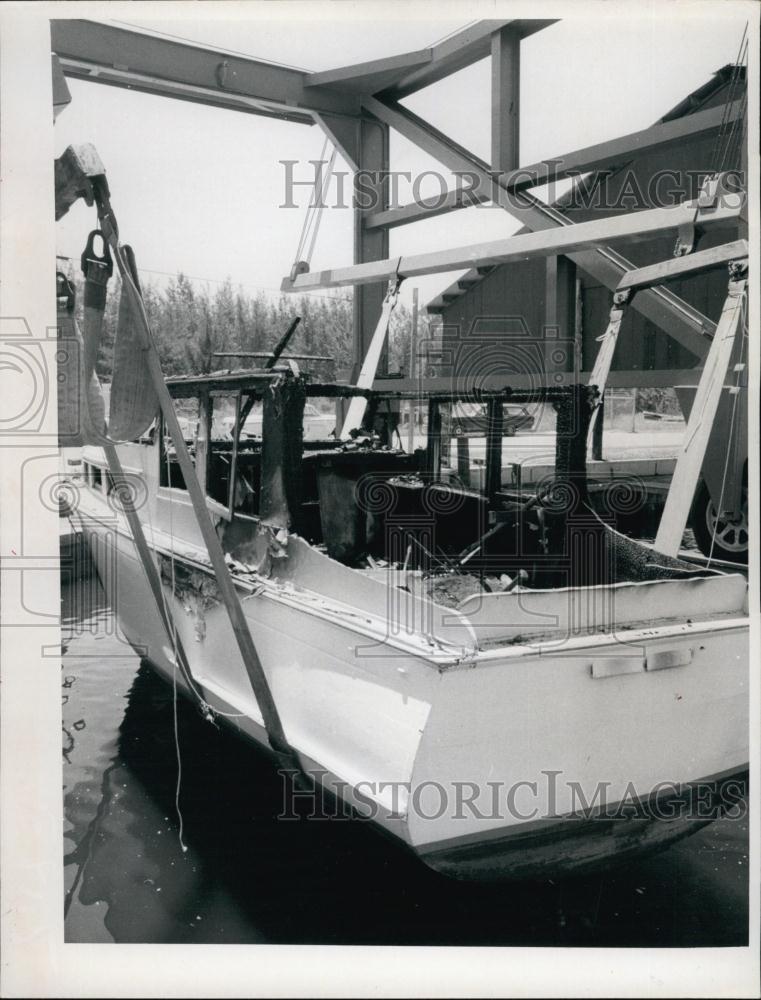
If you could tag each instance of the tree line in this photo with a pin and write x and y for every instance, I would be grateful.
(190, 325)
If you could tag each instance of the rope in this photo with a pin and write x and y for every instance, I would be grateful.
(313, 215)
(320, 209)
(721, 142)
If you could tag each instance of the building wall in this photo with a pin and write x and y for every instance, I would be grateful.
(511, 302)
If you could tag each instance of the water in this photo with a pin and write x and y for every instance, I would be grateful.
(248, 877)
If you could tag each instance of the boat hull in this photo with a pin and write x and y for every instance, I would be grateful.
(383, 729)
(578, 845)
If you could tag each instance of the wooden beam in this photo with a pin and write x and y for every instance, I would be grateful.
(678, 267)
(559, 240)
(505, 98)
(370, 77)
(427, 208)
(121, 57)
(661, 136)
(630, 379)
(343, 132)
(700, 425)
(458, 51)
(685, 324)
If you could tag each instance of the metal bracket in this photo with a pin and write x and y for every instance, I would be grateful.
(685, 239)
(738, 269)
(394, 284)
(299, 267)
(65, 292)
(77, 172)
(707, 197)
(104, 266)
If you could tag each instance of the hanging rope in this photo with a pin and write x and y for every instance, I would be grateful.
(726, 128)
(313, 215)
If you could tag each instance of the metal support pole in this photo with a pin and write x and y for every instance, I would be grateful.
(413, 369)
(494, 448)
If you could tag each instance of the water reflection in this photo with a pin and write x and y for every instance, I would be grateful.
(247, 877)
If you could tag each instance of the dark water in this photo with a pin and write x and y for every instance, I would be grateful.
(248, 877)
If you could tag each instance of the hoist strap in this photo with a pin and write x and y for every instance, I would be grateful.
(252, 664)
(604, 359)
(133, 404)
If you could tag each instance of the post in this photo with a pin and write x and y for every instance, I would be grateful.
(597, 432)
(505, 99)
(282, 450)
(413, 370)
(371, 194)
(433, 449)
(572, 427)
(463, 459)
(559, 315)
(494, 447)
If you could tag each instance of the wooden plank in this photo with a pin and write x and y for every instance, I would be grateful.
(681, 321)
(678, 267)
(658, 137)
(690, 459)
(549, 242)
(358, 405)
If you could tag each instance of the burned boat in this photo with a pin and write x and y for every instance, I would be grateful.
(504, 683)
(508, 686)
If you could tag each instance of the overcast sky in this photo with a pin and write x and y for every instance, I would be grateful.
(198, 189)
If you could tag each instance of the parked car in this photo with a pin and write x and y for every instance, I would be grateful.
(317, 425)
(470, 419)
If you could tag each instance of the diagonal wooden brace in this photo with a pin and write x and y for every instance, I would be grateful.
(690, 459)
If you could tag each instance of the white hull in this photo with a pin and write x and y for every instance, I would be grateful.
(450, 745)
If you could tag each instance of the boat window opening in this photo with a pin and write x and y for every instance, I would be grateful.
(320, 420)
(147, 437)
(223, 449)
(188, 410)
(97, 479)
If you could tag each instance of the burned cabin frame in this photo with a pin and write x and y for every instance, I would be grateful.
(335, 492)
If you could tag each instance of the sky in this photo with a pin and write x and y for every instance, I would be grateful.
(199, 189)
